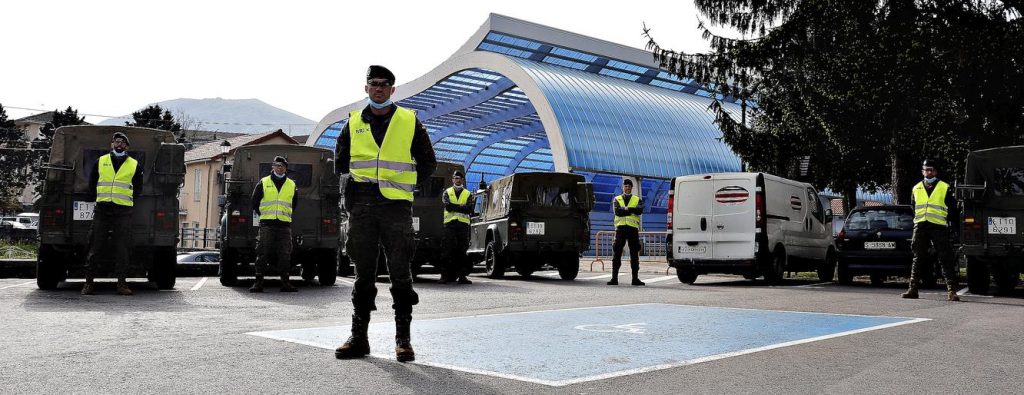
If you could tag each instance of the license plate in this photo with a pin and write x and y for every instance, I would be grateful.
(692, 249)
(416, 224)
(535, 228)
(82, 211)
(879, 245)
(1002, 225)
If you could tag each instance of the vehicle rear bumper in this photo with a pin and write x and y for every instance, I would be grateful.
(1003, 250)
(702, 266)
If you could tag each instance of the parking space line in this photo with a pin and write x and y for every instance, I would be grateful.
(818, 285)
(963, 292)
(347, 281)
(659, 279)
(547, 274)
(18, 285)
(597, 277)
(200, 284)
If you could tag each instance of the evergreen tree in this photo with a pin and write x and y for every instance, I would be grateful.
(156, 118)
(14, 153)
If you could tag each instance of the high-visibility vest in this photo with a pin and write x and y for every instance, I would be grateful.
(461, 200)
(391, 165)
(931, 208)
(277, 204)
(629, 220)
(116, 187)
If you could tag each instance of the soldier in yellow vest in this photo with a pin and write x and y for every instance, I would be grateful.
(628, 208)
(273, 199)
(117, 180)
(458, 205)
(934, 212)
(384, 152)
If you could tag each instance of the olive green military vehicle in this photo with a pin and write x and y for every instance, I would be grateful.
(66, 217)
(315, 218)
(992, 200)
(526, 220)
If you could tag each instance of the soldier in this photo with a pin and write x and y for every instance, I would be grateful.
(628, 209)
(116, 180)
(458, 205)
(273, 200)
(386, 152)
(934, 210)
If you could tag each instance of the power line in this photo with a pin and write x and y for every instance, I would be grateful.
(129, 117)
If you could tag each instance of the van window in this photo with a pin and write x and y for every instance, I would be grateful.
(1009, 181)
(814, 205)
(880, 220)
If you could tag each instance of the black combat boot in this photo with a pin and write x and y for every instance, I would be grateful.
(636, 281)
(464, 280)
(122, 287)
(286, 286)
(257, 286)
(912, 291)
(90, 287)
(403, 347)
(357, 345)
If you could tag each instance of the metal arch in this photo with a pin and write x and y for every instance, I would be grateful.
(497, 88)
(493, 118)
(521, 131)
(525, 152)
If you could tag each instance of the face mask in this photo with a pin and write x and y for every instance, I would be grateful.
(119, 153)
(277, 175)
(930, 180)
(379, 106)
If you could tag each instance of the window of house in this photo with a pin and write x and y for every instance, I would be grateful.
(197, 188)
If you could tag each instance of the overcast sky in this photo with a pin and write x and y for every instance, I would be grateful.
(114, 57)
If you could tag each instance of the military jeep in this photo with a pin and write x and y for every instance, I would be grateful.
(992, 200)
(66, 217)
(526, 220)
(315, 219)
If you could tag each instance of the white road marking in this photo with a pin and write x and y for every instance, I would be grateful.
(596, 277)
(659, 279)
(547, 274)
(347, 281)
(818, 285)
(18, 285)
(200, 284)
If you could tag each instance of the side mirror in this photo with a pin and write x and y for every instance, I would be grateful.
(828, 215)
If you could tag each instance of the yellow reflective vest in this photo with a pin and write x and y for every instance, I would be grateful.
(277, 204)
(116, 187)
(461, 200)
(931, 208)
(390, 165)
(629, 220)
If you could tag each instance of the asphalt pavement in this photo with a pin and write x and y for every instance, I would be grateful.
(514, 335)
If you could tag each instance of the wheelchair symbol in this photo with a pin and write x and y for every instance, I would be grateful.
(605, 328)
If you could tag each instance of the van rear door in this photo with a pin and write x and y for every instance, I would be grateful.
(692, 218)
(733, 218)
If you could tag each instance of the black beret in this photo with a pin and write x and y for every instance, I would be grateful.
(626, 181)
(119, 135)
(282, 160)
(458, 173)
(930, 163)
(376, 71)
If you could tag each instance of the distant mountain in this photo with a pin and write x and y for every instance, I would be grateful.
(230, 115)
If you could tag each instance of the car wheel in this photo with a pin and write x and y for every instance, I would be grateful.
(569, 267)
(327, 268)
(495, 262)
(827, 268)
(773, 274)
(1006, 278)
(877, 279)
(525, 270)
(977, 276)
(687, 276)
(228, 269)
(163, 270)
(844, 275)
(49, 268)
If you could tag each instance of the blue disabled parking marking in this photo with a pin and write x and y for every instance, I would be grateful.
(561, 347)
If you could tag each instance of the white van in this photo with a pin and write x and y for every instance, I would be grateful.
(751, 224)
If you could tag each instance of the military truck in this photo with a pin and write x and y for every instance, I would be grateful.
(66, 216)
(526, 220)
(992, 200)
(315, 219)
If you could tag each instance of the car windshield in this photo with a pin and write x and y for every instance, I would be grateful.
(880, 220)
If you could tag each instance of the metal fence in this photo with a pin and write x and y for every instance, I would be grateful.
(198, 238)
(653, 247)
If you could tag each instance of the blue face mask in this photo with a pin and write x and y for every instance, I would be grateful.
(119, 153)
(379, 106)
(930, 180)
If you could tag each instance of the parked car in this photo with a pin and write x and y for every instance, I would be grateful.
(751, 224)
(877, 241)
(29, 220)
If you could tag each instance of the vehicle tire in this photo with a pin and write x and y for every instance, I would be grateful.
(164, 268)
(228, 268)
(494, 261)
(977, 276)
(309, 269)
(687, 276)
(776, 267)
(1006, 278)
(327, 268)
(827, 268)
(877, 279)
(525, 270)
(845, 277)
(569, 268)
(49, 268)
(345, 268)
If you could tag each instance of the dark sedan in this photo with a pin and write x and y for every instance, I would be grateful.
(876, 241)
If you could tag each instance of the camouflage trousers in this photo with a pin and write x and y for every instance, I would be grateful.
(274, 243)
(927, 235)
(111, 231)
(454, 246)
(388, 225)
